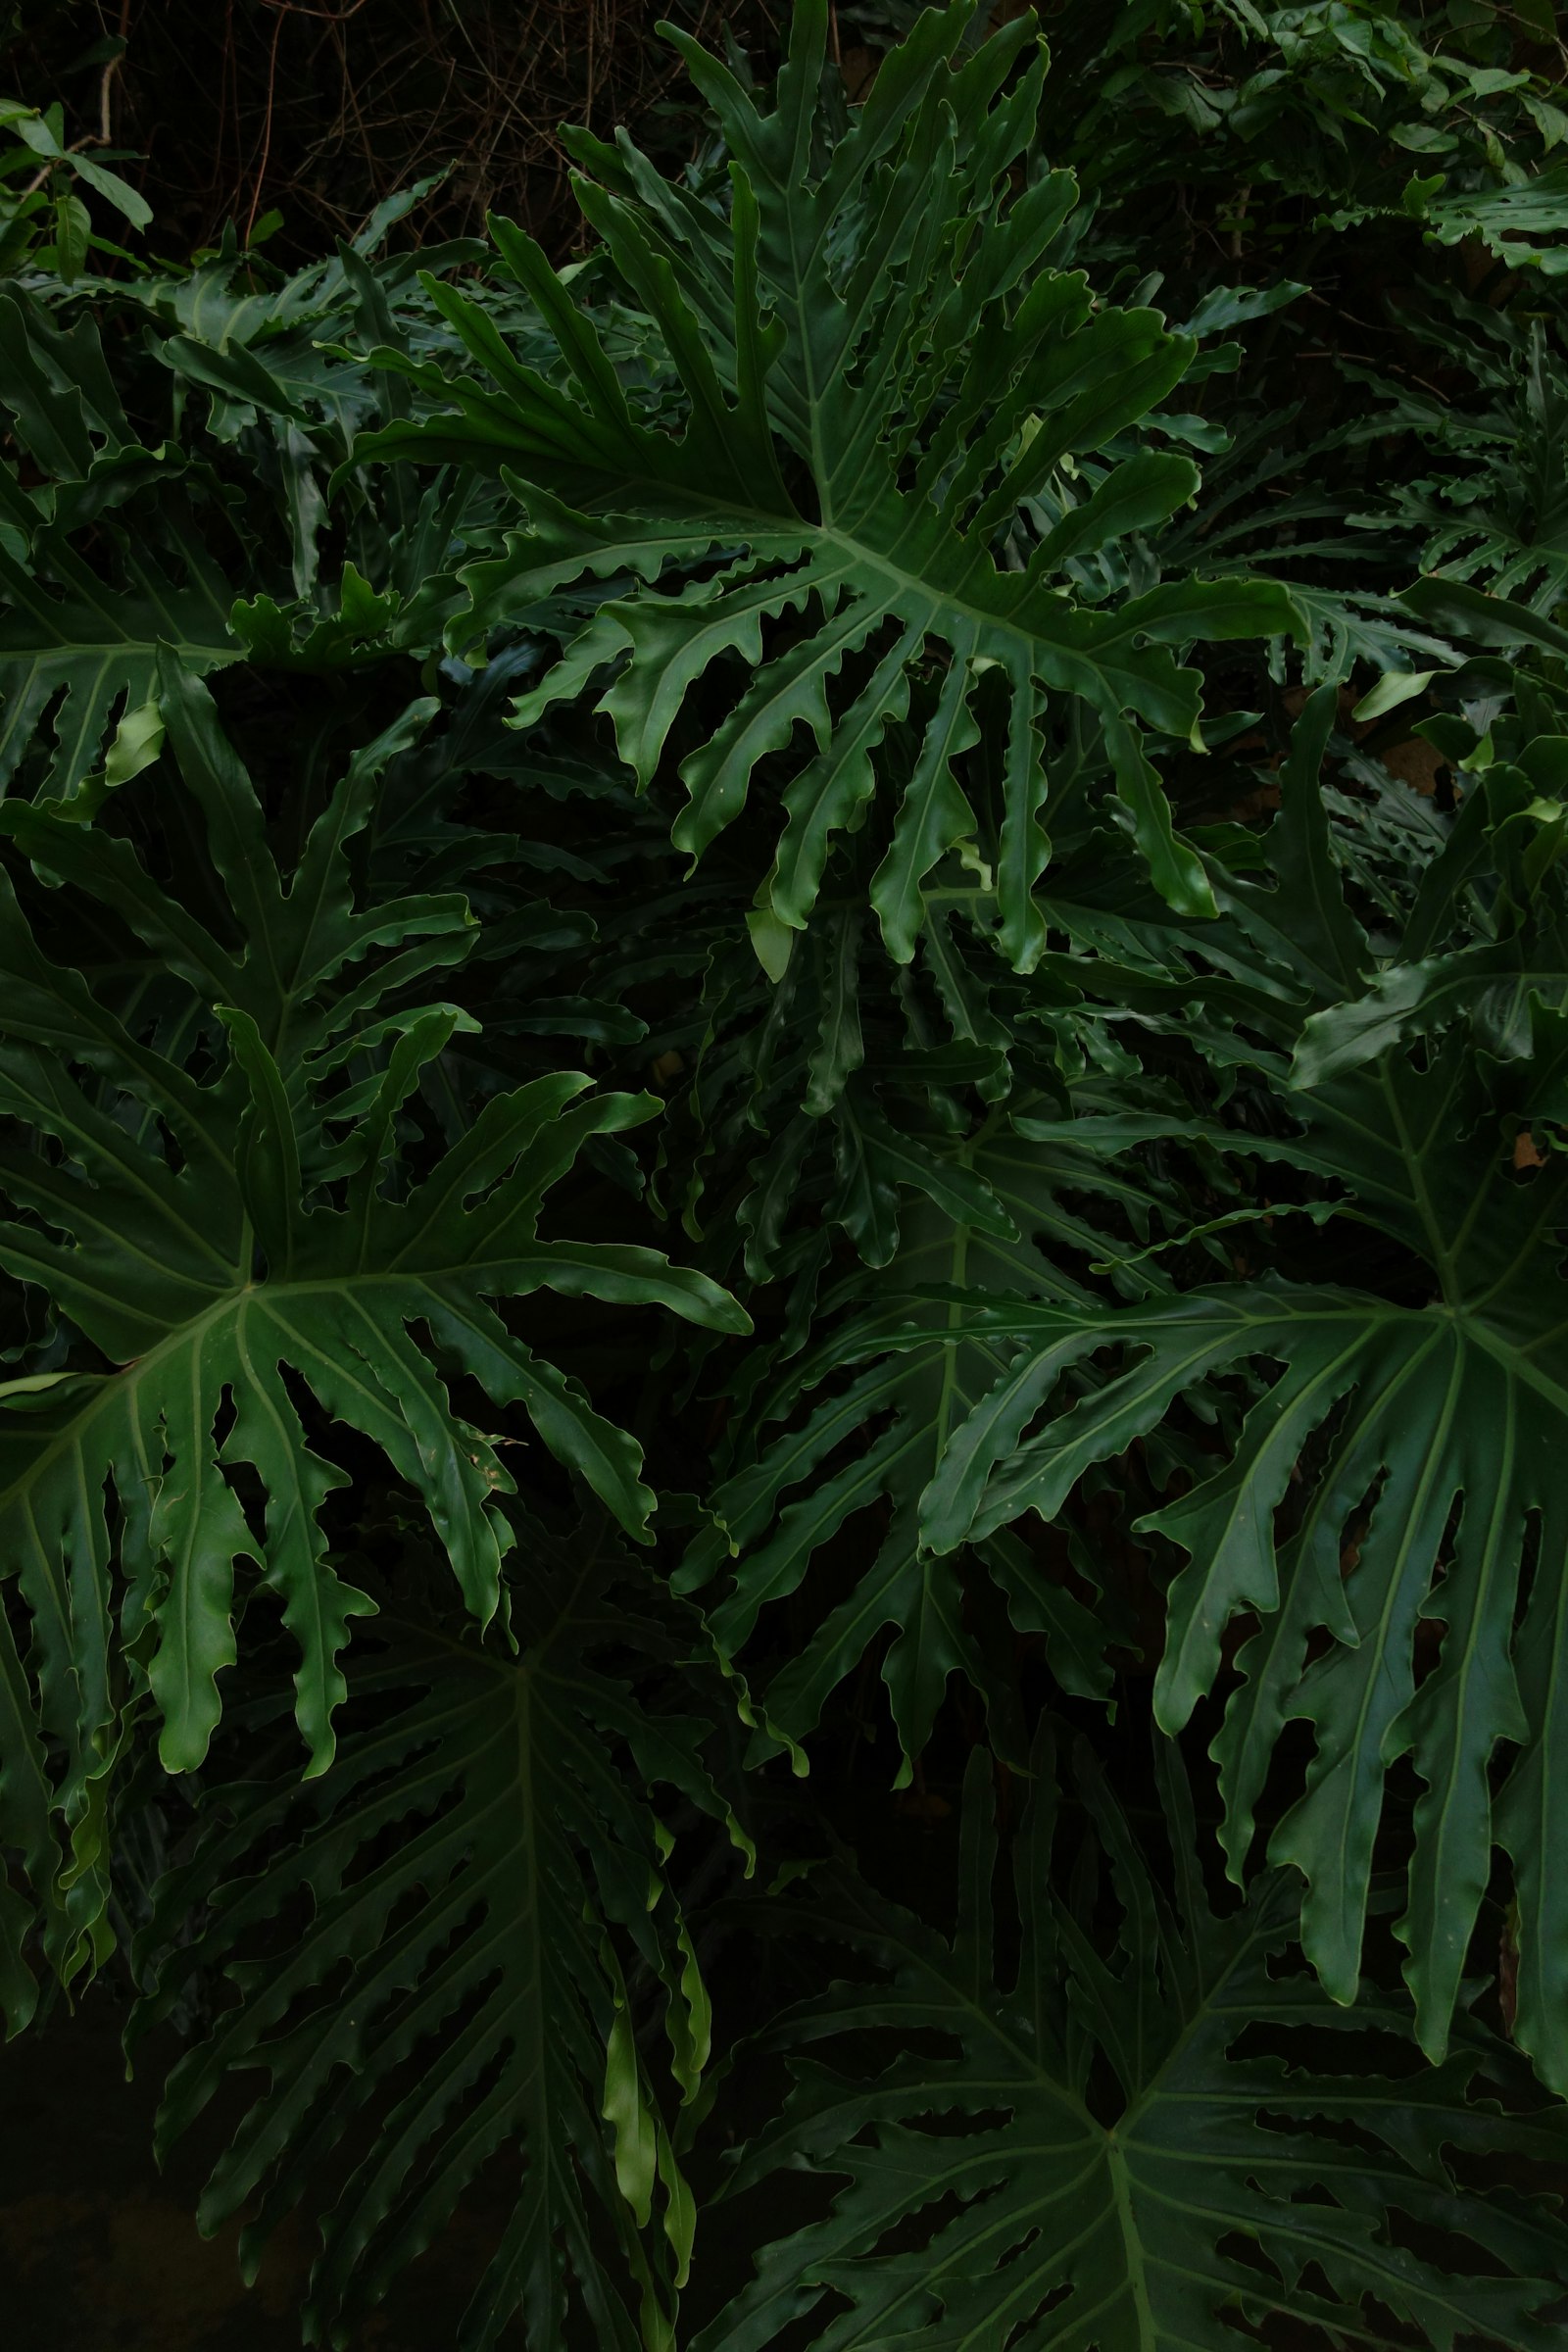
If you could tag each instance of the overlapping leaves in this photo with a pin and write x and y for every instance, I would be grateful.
(880, 363)
(1409, 1438)
(1000, 2192)
(79, 633)
(485, 1861)
(119, 536)
(846, 1476)
(847, 486)
(234, 1215)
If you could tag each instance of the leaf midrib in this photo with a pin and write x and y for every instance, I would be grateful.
(115, 1385)
(900, 589)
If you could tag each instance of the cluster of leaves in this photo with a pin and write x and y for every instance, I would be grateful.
(723, 978)
(1444, 111)
(45, 222)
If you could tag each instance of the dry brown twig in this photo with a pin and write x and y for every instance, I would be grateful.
(322, 108)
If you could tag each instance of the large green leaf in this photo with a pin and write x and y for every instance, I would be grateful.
(257, 1254)
(1137, 2140)
(880, 363)
(484, 1862)
(1398, 1470)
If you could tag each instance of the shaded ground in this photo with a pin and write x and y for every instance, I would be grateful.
(100, 2254)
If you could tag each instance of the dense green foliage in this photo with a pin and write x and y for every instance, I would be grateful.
(784, 1028)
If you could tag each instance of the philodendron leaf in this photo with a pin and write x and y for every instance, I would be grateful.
(1154, 2137)
(874, 1442)
(1497, 987)
(1436, 1427)
(244, 1295)
(500, 1936)
(1392, 1488)
(880, 365)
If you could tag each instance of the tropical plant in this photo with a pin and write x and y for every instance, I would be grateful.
(46, 224)
(232, 1216)
(871, 392)
(1141, 2137)
(784, 1025)
(518, 1845)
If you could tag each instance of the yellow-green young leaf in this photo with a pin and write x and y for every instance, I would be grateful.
(774, 945)
(1396, 686)
(632, 2127)
(138, 739)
